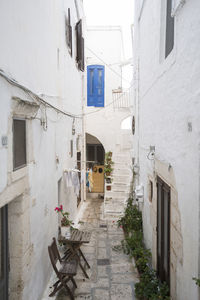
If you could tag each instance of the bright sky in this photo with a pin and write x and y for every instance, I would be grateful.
(112, 12)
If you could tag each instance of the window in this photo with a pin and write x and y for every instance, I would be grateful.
(68, 31)
(150, 190)
(19, 143)
(169, 37)
(79, 46)
(71, 148)
(95, 154)
(95, 85)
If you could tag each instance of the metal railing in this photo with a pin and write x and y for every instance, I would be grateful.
(121, 98)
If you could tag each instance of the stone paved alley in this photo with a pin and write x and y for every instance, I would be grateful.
(112, 274)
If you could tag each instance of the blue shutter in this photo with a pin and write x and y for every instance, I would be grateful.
(90, 86)
(95, 85)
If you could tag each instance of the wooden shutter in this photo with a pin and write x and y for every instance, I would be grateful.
(19, 143)
(69, 32)
(90, 86)
(99, 86)
(79, 46)
(169, 40)
(95, 85)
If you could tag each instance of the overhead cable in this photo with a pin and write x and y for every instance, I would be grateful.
(118, 74)
(35, 96)
(104, 107)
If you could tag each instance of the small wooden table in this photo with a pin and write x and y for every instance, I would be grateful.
(74, 244)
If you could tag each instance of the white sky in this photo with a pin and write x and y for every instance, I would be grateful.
(112, 12)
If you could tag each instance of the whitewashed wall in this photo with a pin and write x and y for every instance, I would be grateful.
(168, 117)
(33, 51)
(107, 45)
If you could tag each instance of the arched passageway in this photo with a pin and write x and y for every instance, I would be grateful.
(95, 155)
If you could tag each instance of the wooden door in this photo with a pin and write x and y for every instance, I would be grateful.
(98, 179)
(163, 231)
(4, 266)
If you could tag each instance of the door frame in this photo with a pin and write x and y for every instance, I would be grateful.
(5, 253)
(160, 260)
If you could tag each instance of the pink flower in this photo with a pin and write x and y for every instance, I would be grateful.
(61, 207)
(113, 221)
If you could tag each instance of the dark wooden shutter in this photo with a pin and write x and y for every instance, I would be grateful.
(169, 40)
(79, 46)
(69, 32)
(19, 143)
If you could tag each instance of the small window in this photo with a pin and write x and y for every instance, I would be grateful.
(169, 37)
(19, 143)
(79, 46)
(150, 190)
(68, 30)
(71, 148)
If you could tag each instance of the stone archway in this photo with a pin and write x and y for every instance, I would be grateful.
(95, 154)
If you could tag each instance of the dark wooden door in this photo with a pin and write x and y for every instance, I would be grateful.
(163, 231)
(4, 266)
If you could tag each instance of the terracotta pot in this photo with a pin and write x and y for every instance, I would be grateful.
(107, 173)
(108, 187)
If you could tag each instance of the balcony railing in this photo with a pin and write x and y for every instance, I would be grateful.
(121, 98)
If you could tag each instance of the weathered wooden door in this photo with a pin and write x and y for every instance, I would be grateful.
(163, 231)
(98, 179)
(4, 266)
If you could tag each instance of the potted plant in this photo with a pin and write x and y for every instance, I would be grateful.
(108, 187)
(108, 164)
(65, 222)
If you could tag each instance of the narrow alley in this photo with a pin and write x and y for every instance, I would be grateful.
(112, 274)
(99, 150)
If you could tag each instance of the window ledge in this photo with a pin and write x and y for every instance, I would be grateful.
(19, 173)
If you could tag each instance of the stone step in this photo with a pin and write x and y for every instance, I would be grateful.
(121, 158)
(116, 194)
(121, 178)
(120, 184)
(121, 171)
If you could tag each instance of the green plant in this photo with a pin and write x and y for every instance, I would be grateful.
(65, 221)
(197, 280)
(149, 287)
(132, 219)
(108, 163)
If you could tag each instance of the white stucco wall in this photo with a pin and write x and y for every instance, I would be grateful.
(167, 100)
(106, 44)
(33, 51)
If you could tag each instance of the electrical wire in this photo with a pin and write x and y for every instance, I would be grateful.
(107, 65)
(104, 107)
(35, 96)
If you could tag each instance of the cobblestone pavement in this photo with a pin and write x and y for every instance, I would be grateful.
(112, 273)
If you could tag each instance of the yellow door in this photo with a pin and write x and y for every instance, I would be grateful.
(98, 179)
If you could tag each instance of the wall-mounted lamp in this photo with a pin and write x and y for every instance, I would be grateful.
(151, 154)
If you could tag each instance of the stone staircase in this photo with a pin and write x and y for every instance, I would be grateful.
(116, 199)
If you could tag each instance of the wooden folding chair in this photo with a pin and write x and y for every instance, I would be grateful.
(66, 271)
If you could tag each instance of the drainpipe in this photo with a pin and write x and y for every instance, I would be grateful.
(199, 227)
(83, 156)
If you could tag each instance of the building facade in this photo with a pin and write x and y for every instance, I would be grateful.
(167, 140)
(107, 105)
(41, 89)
